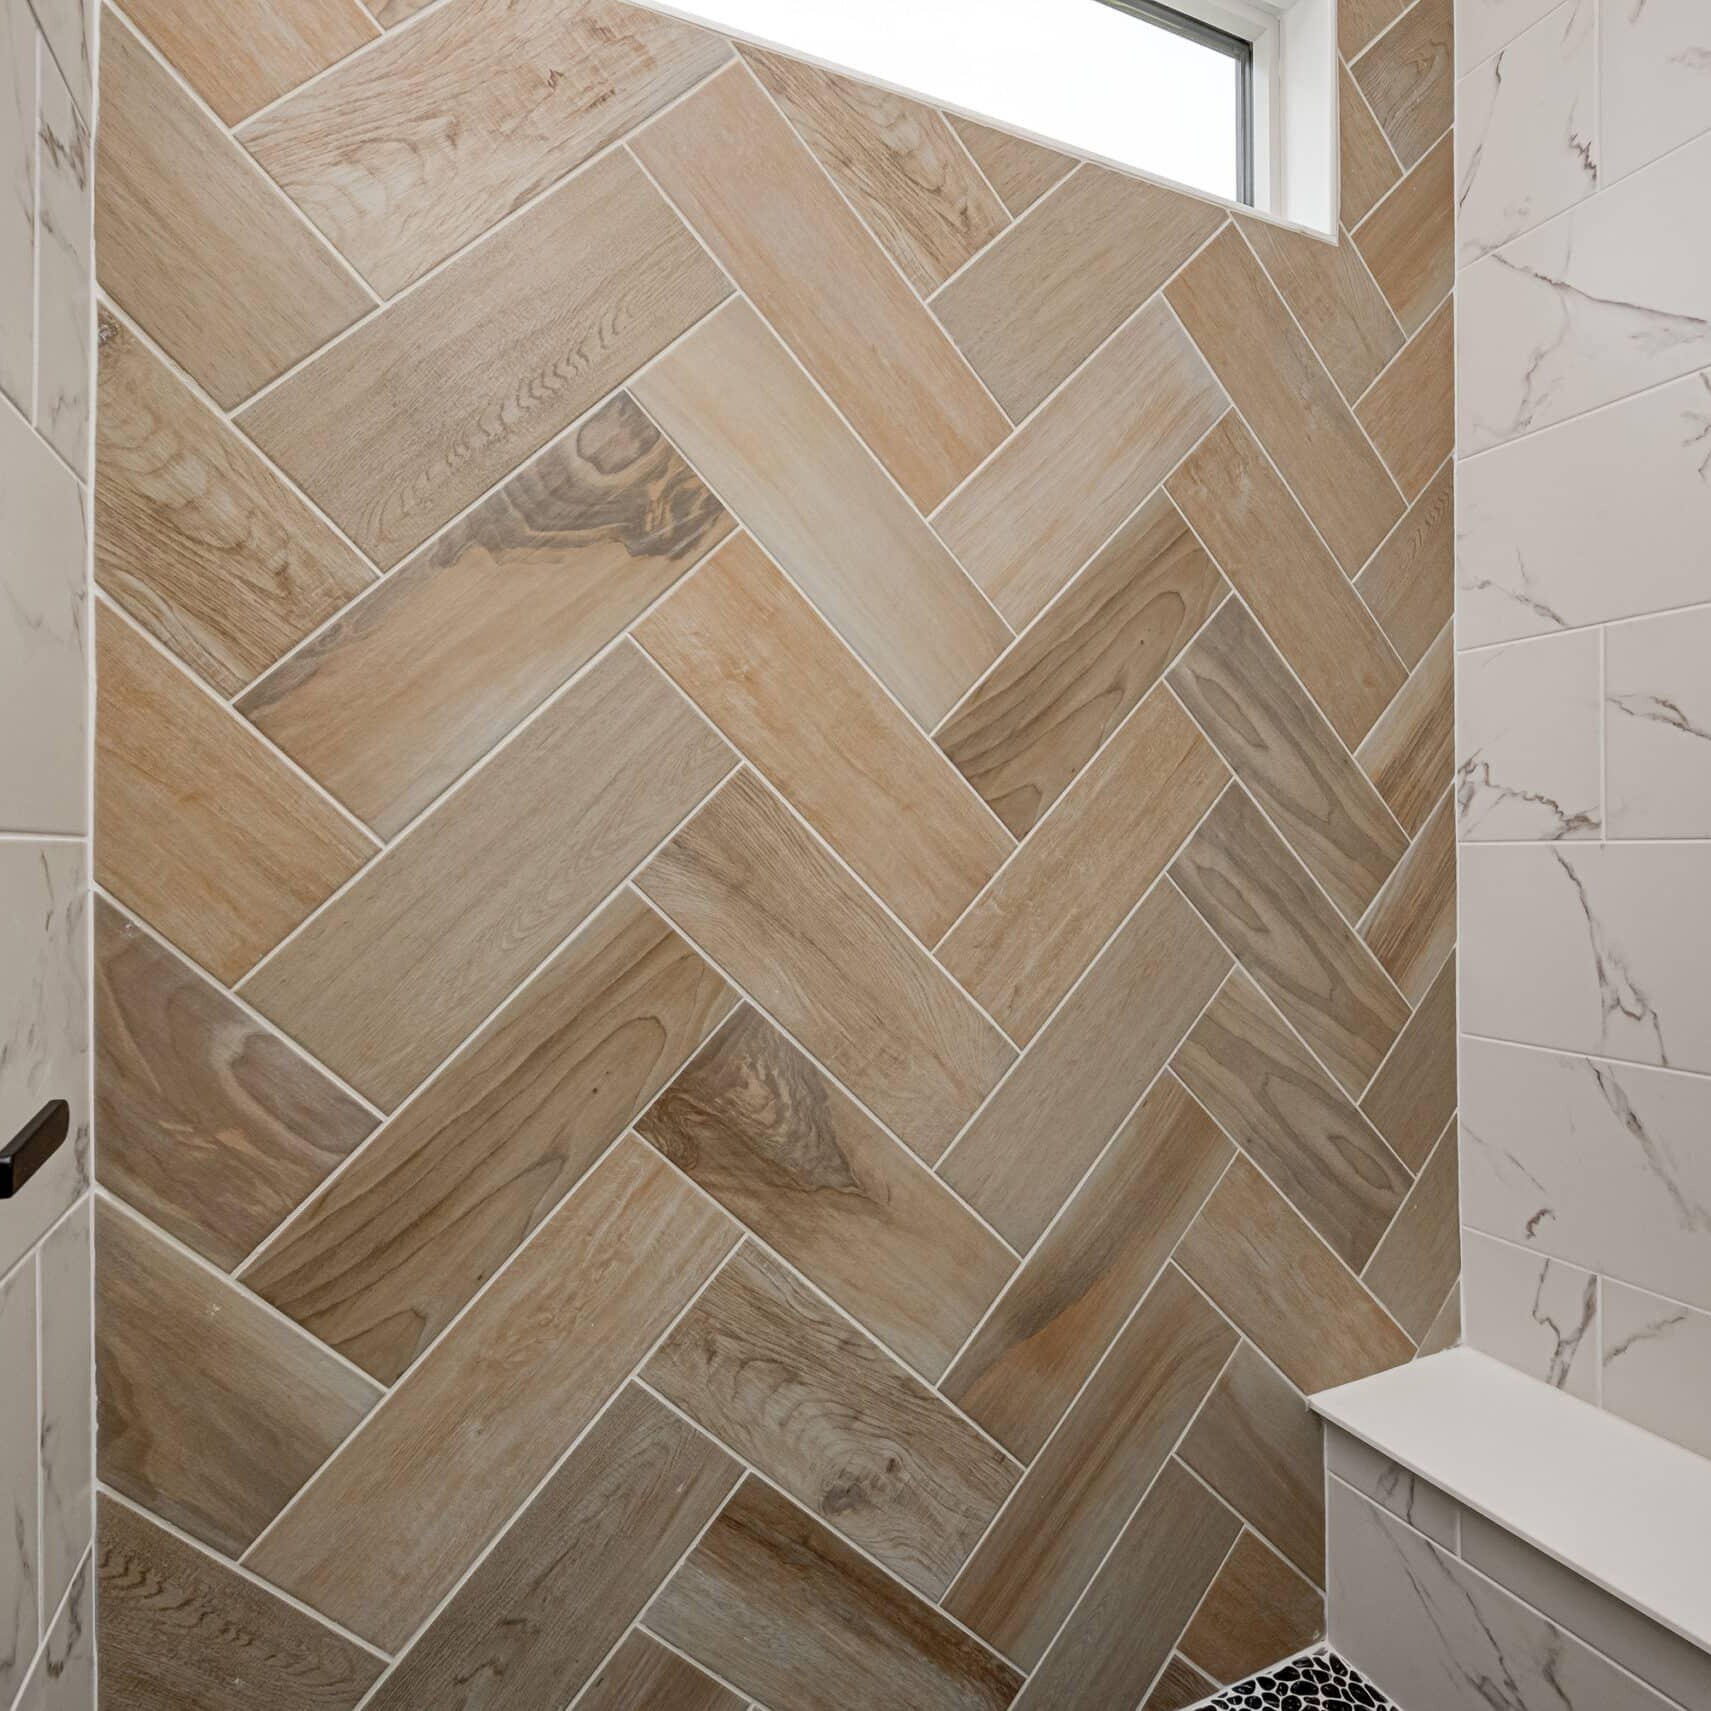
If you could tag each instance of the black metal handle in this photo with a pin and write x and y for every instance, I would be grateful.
(33, 1146)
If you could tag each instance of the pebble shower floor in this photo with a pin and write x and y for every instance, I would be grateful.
(1320, 1681)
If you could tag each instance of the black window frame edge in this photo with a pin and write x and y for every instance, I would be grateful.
(1234, 47)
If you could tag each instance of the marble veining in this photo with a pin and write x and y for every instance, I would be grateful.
(1484, 26)
(1532, 1313)
(18, 1558)
(67, 27)
(18, 209)
(62, 360)
(1658, 726)
(64, 1676)
(1656, 78)
(1657, 1364)
(1422, 1505)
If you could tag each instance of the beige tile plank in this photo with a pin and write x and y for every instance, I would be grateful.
(903, 168)
(1264, 544)
(1409, 242)
(381, 1261)
(730, 161)
(1030, 310)
(788, 1153)
(1043, 506)
(782, 1608)
(1414, 1094)
(405, 155)
(1412, 927)
(1409, 585)
(1417, 1263)
(390, 1526)
(768, 1368)
(1408, 75)
(1020, 171)
(1261, 902)
(1073, 1501)
(1286, 1113)
(1024, 1366)
(797, 934)
(1048, 705)
(409, 688)
(212, 1410)
(1035, 929)
(1410, 411)
(403, 965)
(748, 418)
(195, 244)
(484, 365)
(195, 536)
(1025, 1152)
(1272, 374)
(1410, 753)
(210, 1125)
(757, 659)
(200, 828)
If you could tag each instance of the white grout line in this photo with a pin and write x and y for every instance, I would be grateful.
(39, 47)
(665, 1645)
(38, 1464)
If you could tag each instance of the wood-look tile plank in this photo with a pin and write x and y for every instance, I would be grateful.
(898, 161)
(1020, 171)
(177, 1628)
(1277, 742)
(193, 241)
(1417, 1262)
(1258, 1610)
(1073, 1501)
(379, 1263)
(1179, 1686)
(782, 1608)
(1139, 1602)
(1029, 1358)
(755, 426)
(199, 827)
(194, 535)
(1409, 586)
(409, 688)
(390, 1526)
(212, 1411)
(1260, 901)
(1265, 545)
(1359, 21)
(210, 1125)
(1270, 371)
(1334, 297)
(1446, 1328)
(757, 659)
(405, 155)
(728, 158)
(1024, 1153)
(1260, 1447)
(1408, 76)
(1409, 243)
(1042, 507)
(788, 1153)
(1414, 1095)
(799, 936)
(1275, 1102)
(1412, 927)
(1287, 1291)
(1410, 753)
(573, 1570)
(405, 963)
(1366, 167)
(1035, 929)
(1038, 303)
(1410, 411)
(241, 56)
(1046, 708)
(807, 1400)
(643, 1676)
(486, 363)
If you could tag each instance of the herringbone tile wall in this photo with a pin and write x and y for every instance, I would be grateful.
(773, 812)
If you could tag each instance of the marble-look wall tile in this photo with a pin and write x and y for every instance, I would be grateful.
(1524, 131)
(19, 1623)
(64, 1676)
(43, 674)
(17, 201)
(1527, 740)
(1484, 26)
(1656, 65)
(1436, 1636)
(1657, 1364)
(67, 1439)
(1611, 297)
(1539, 546)
(1657, 710)
(68, 28)
(1424, 1507)
(64, 235)
(44, 1024)
(1597, 948)
(1536, 1314)
(1600, 1163)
